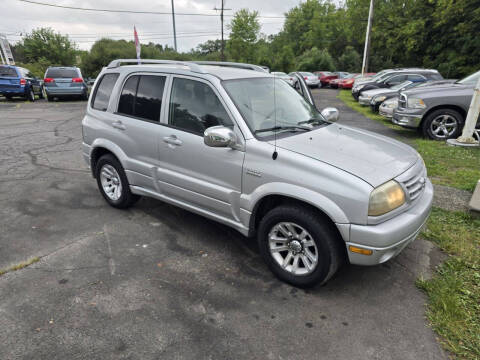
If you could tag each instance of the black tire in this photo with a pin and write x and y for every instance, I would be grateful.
(49, 98)
(40, 95)
(427, 127)
(84, 96)
(30, 95)
(330, 252)
(8, 97)
(126, 199)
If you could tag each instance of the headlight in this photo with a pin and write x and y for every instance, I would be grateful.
(378, 99)
(385, 198)
(415, 103)
(360, 87)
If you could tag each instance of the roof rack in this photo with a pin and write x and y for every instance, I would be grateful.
(233, 65)
(192, 66)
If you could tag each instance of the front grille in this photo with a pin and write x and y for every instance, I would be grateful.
(413, 180)
(402, 101)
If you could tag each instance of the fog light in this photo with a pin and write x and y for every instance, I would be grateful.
(360, 250)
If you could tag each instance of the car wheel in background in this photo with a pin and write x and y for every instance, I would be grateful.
(41, 95)
(49, 98)
(8, 97)
(443, 124)
(298, 246)
(84, 96)
(31, 95)
(113, 183)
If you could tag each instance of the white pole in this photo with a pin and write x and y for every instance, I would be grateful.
(366, 50)
(472, 117)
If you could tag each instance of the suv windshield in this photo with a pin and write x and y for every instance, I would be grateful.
(8, 71)
(264, 105)
(470, 79)
(61, 73)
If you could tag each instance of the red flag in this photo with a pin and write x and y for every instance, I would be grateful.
(137, 43)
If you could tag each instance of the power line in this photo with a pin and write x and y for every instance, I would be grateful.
(135, 11)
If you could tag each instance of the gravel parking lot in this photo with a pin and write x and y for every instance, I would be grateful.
(157, 282)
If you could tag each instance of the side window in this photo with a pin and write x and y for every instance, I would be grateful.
(415, 78)
(396, 80)
(194, 107)
(142, 97)
(103, 91)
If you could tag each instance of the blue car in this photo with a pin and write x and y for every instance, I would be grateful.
(18, 81)
(64, 81)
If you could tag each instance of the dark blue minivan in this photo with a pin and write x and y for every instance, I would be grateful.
(18, 81)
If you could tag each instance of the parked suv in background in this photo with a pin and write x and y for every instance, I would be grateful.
(439, 111)
(18, 81)
(63, 81)
(246, 149)
(396, 77)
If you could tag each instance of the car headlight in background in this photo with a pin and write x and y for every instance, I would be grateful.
(415, 103)
(386, 198)
(360, 87)
(378, 99)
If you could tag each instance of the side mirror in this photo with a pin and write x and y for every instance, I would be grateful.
(330, 114)
(219, 136)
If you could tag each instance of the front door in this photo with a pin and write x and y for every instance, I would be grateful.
(192, 172)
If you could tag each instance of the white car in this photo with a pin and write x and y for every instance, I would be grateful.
(311, 80)
(387, 107)
(283, 76)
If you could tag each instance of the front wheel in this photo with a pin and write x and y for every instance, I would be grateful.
(112, 182)
(443, 124)
(298, 246)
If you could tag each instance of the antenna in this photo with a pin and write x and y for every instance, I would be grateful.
(275, 154)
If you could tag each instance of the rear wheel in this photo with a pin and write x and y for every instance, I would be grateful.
(113, 183)
(298, 246)
(49, 98)
(443, 124)
(30, 95)
(9, 97)
(41, 95)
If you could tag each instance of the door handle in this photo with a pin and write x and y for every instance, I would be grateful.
(118, 125)
(172, 140)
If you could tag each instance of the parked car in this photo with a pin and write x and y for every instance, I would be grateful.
(326, 78)
(64, 81)
(387, 107)
(396, 77)
(322, 73)
(310, 79)
(438, 111)
(217, 142)
(347, 82)
(378, 96)
(18, 81)
(283, 76)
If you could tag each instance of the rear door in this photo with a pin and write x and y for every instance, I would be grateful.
(9, 79)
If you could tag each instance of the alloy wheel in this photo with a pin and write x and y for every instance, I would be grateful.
(444, 126)
(293, 248)
(111, 183)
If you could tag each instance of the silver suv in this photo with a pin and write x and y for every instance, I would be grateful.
(246, 149)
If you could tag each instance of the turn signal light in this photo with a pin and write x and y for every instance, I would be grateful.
(77, 80)
(360, 250)
(23, 82)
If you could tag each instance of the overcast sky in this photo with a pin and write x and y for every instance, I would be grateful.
(85, 26)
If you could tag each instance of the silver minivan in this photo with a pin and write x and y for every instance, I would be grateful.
(246, 149)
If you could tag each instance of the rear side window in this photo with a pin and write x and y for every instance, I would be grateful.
(141, 97)
(8, 71)
(194, 107)
(62, 73)
(435, 77)
(103, 91)
(415, 78)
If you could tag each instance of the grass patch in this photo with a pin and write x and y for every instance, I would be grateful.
(446, 165)
(454, 293)
(20, 266)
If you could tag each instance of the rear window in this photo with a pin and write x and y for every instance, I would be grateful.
(8, 71)
(62, 73)
(306, 73)
(103, 91)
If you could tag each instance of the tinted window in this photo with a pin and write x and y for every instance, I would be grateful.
(396, 79)
(103, 91)
(194, 107)
(127, 98)
(435, 76)
(8, 71)
(149, 97)
(62, 73)
(416, 78)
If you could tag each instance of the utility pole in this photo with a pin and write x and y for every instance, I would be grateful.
(174, 30)
(366, 51)
(222, 55)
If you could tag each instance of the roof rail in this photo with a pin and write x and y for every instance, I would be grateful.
(232, 64)
(192, 66)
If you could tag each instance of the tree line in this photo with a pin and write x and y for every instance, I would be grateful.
(316, 35)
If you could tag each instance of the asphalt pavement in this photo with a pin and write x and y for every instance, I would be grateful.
(158, 282)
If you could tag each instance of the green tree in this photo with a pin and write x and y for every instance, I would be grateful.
(245, 29)
(315, 59)
(350, 60)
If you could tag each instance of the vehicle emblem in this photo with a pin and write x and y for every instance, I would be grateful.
(254, 172)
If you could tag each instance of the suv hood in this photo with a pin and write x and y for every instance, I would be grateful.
(374, 158)
(374, 92)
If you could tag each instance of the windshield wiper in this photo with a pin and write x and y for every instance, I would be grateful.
(276, 128)
(312, 121)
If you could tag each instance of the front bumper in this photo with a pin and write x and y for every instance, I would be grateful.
(385, 111)
(408, 119)
(386, 240)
